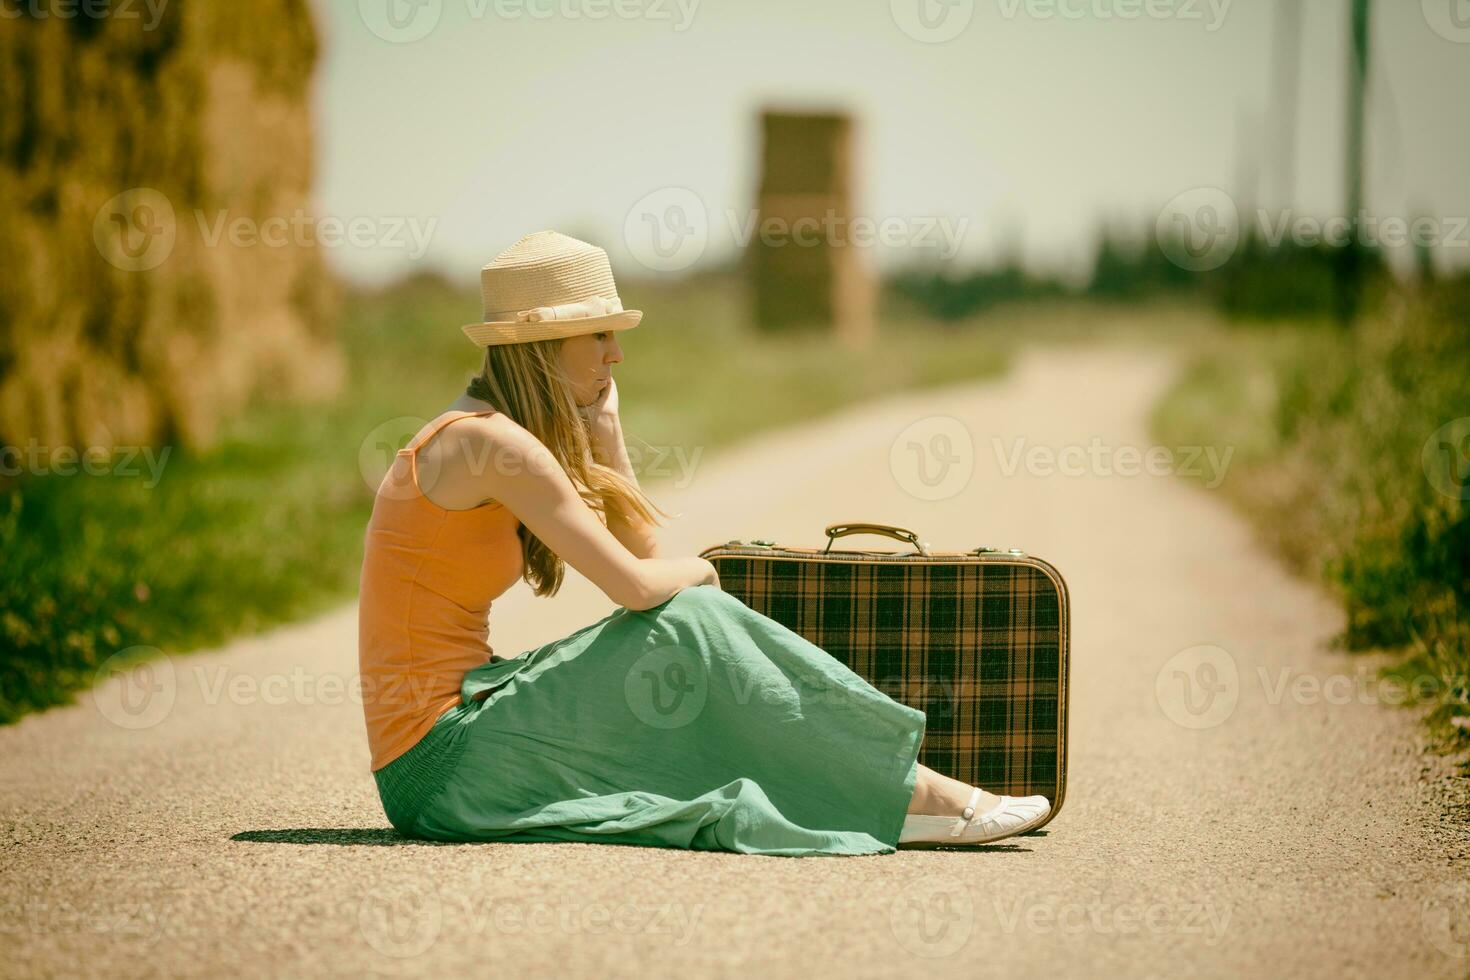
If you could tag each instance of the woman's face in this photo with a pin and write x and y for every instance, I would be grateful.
(587, 360)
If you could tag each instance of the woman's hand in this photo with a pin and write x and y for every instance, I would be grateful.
(605, 430)
(603, 413)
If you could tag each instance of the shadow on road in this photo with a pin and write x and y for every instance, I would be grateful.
(345, 836)
(388, 837)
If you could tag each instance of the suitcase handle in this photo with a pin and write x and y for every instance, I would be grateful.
(835, 531)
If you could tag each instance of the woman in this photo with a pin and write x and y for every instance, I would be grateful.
(683, 718)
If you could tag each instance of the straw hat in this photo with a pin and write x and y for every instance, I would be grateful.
(548, 285)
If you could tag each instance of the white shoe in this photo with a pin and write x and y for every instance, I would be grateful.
(1013, 815)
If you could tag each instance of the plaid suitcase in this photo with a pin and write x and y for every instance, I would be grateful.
(977, 640)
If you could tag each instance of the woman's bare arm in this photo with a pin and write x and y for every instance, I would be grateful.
(636, 534)
(524, 476)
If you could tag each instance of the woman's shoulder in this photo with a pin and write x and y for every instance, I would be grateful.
(472, 415)
(462, 464)
(494, 426)
(497, 433)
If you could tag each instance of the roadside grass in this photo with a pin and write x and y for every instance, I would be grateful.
(267, 527)
(1343, 464)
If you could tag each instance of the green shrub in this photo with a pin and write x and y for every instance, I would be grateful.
(1333, 466)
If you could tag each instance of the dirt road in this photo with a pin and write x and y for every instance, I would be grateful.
(1238, 804)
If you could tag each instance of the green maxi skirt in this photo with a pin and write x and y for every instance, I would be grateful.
(699, 724)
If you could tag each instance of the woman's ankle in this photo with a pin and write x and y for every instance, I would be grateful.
(938, 795)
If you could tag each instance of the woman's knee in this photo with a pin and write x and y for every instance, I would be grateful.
(697, 601)
(699, 594)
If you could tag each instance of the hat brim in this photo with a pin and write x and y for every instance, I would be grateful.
(490, 334)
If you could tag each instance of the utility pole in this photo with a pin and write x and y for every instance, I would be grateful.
(1351, 259)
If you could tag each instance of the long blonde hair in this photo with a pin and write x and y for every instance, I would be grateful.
(526, 382)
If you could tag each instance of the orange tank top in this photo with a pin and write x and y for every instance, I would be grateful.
(429, 576)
